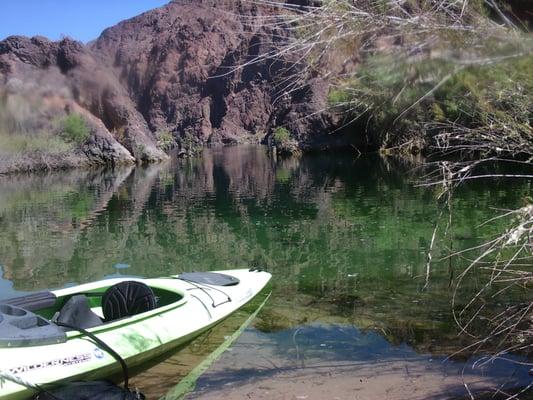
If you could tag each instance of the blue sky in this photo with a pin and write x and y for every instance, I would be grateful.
(80, 19)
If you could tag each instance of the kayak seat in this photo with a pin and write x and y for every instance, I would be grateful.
(76, 312)
(127, 298)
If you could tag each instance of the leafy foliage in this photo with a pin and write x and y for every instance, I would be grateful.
(283, 142)
(74, 129)
(281, 136)
(165, 140)
(436, 100)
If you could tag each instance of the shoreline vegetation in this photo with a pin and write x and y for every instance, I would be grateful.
(442, 79)
(27, 147)
(48, 134)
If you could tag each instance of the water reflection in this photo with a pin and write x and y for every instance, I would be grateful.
(345, 238)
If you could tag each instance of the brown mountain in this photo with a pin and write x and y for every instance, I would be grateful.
(186, 68)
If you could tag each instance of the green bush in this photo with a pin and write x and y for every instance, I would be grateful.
(283, 142)
(281, 136)
(403, 100)
(74, 129)
(189, 144)
(478, 96)
(165, 140)
(339, 98)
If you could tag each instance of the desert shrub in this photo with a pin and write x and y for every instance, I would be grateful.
(339, 98)
(281, 136)
(390, 62)
(477, 95)
(283, 142)
(74, 129)
(189, 144)
(23, 128)
(165, 140)
(428, 99)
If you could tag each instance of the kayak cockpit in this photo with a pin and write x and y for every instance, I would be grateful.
(46, 318)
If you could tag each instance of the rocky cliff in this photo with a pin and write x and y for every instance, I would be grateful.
(187, 69)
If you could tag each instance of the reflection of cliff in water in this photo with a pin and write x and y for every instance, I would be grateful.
(346, 238)
(43, 218)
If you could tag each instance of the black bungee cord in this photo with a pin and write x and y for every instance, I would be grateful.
(105, 347)
(205, 285)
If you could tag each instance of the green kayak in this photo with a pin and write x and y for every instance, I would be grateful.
(45, 338)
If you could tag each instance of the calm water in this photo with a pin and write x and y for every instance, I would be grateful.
(346, 240)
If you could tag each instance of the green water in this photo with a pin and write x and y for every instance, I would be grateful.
(346, 238)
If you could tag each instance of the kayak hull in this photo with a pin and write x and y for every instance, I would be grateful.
(136, 340)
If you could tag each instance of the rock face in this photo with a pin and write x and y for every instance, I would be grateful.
(186, 68)
(64, 77)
